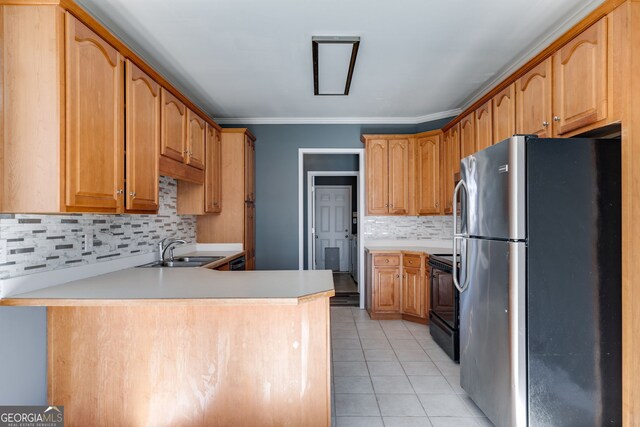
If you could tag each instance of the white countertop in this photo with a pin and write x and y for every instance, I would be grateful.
(427, 246)
(188, 283)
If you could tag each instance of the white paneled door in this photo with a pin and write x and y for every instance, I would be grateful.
(332, 224)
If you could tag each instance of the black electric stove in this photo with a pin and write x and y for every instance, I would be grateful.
(445, 305)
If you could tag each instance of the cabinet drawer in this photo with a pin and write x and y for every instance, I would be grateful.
(411, 261)
(386, 260)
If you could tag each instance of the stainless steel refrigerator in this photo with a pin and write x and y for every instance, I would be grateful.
(540, 281)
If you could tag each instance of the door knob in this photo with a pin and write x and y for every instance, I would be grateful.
(346, 237)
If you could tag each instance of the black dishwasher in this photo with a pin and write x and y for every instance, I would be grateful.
(237, 264)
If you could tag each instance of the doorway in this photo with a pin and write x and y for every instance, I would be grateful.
(313, 255)
(331, 227)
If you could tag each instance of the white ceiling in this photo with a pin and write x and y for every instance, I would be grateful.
(418, 59)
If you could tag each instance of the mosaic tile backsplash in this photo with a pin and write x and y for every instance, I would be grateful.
(36, 243)
(407, 227)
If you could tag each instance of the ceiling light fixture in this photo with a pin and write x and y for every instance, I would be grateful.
(338, 62)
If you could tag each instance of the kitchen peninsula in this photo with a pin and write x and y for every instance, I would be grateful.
(189, 346)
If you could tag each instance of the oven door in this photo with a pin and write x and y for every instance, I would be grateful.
(444, 297)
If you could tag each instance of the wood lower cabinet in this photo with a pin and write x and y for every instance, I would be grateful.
(142, 140)
(397, 286)
(388, 173)
(236, 222)
(94, 151)
(427, 174)
(386, 290)
(580, 80)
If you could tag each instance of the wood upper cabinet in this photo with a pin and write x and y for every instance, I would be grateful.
(467, 135)
(533, 101)
(428, 175)
(484, 122)
(196, 134)
(94, 121)
(142, 140)
(450, 165)
(213, 175)
(174, 127)
(386, 290)
(504, 114)
(580, 80)
(377, 157)
(399, 171)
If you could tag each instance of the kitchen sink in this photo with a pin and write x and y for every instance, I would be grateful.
(184, 261)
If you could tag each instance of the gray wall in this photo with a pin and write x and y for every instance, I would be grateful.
(277, 180)
(23, 356)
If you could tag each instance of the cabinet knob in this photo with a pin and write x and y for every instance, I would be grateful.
(119, 191)
(132, 194)
(386, 260)
(437, 205)
(386, 205)
(397, 276)
(545, 124)
(556, 118)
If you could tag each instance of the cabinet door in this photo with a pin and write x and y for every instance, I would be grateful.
(467, 136)
(580, 80)
(174, 127)
(504, 114)
(94, 175)
(451, 166)
(442, 292)
(399, 150)
(428, 175)
(377, 157)
(213, 175)
(249, 178)
(533, 101)
(196, 135)
(484, 121)
(412, 297)
(386, 290)
(142, 141)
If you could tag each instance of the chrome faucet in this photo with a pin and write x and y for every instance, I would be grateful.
(168, 243)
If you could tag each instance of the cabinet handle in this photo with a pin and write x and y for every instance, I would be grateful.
(556, 118)
(545, 124)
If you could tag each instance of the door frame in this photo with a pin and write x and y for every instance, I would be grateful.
(311, 175)
(361, 191)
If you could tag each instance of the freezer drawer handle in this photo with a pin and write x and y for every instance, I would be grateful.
(458, 236)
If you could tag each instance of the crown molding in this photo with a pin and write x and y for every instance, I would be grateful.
(337, 120)
(537, 47)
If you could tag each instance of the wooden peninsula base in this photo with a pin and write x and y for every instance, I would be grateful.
(192, 363)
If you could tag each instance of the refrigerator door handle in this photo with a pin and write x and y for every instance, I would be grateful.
(458, 236)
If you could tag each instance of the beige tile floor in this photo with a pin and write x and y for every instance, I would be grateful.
(391, 373)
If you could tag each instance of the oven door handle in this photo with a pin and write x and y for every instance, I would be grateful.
(458, 236)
